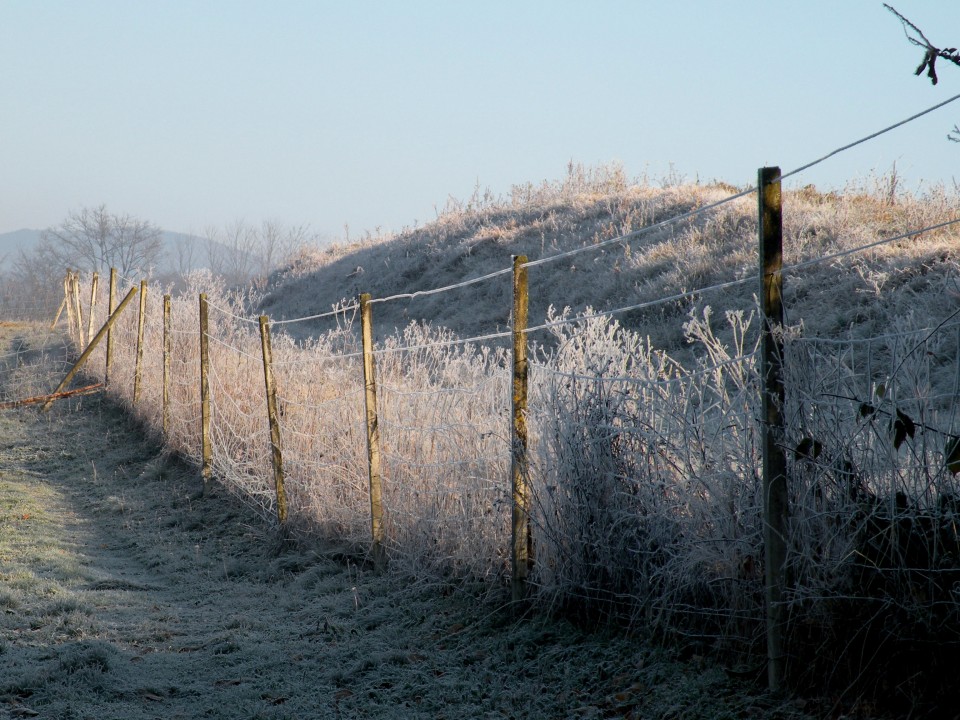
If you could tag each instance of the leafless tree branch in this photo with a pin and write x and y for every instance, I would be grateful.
(94, 239)
(242, 253)
(930, 51)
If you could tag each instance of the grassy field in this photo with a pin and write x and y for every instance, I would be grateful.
(126, 594)
(645, 488)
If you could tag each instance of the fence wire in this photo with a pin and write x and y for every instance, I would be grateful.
(646, 493)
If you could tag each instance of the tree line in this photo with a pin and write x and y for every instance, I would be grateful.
(94, 239)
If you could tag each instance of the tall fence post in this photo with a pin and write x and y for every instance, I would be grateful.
(111, 306)
(373, 431)
(167, 342)
(206, 468)
(68, 300)
(77, 308)
(273, 418)
(521, 537)
(774, 457)
(94, 286)
(141, 323)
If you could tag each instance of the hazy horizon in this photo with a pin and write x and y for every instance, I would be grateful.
(371, 115)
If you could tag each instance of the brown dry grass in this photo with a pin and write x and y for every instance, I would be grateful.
(123, 594)
(647, 501)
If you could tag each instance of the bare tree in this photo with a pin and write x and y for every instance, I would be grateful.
(244, 254)
(279, 243)
(95, 240)
(89, 240)
(27, 291)
(185, 260)
(231, 252)
(931, 53)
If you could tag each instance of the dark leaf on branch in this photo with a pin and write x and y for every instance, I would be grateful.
(899, 435)
(808, 449)
(931, 72)
(931, 52)
(903, 427)
(908, 423)
(928, 64)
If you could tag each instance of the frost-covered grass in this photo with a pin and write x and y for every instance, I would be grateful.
(644, 428)
(478, 236)
(125, 594)
(33, 361)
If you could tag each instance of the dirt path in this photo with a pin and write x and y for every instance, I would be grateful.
(124, 595)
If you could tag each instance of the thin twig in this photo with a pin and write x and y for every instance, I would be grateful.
(931, 52)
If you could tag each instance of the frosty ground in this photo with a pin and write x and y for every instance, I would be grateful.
(127, 593)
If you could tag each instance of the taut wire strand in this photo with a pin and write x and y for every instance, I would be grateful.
(422, 293)
(870, 137)
(868, 246)
(642, 231)
(331, 313)
(234, 316)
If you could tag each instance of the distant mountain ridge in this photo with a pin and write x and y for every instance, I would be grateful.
(12, 242)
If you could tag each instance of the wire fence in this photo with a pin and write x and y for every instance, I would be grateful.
(644, 472)
(645, 489)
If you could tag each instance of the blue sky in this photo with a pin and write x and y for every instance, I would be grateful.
(194, 114)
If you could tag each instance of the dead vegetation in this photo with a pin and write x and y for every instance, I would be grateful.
(645, 470)
(123, 593)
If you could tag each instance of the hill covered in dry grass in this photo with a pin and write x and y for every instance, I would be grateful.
(647, 482)
(860, 294)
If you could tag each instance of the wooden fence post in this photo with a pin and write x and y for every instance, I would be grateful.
(273, 418)
(206, 468)
(111, 306)
(93, 343)
(63, 306)
(141, 323)
(56, 319)
(94, 286)
(77, 308)
(373, 431)
(167, 343)
(521, 538)
(775, 507)
(68, 300)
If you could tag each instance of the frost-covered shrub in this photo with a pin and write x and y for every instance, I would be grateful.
(644, 483)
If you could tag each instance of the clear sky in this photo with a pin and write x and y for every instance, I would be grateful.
(197, 113)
